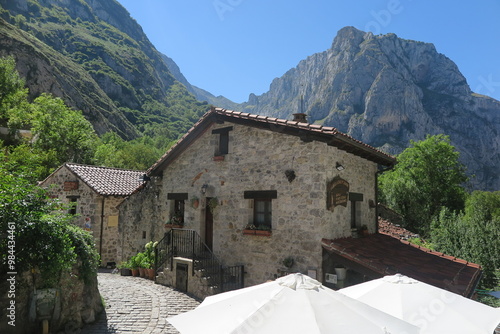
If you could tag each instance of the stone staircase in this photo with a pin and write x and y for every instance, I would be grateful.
(205, 266)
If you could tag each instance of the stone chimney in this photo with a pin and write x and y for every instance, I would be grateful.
(300, 117)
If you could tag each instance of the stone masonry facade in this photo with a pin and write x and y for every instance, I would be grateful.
(256, 161)
(92, 211)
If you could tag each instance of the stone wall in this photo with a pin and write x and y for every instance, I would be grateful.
(142, 218)
(89, 213)
(257, 161)
(76, 304)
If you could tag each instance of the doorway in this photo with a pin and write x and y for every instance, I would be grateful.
(209, 224)
(181, 277)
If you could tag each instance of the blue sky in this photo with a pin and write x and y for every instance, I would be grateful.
(237, 47)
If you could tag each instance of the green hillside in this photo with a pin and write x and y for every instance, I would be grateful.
(96, 57)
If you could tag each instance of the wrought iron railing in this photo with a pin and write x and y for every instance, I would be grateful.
(188, 243)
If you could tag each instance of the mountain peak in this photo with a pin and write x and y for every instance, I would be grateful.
(385, 90)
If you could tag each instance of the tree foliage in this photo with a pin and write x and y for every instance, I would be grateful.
(428, 176)
(473, 235)
(36, 235)
(60, 134)
(12, 91)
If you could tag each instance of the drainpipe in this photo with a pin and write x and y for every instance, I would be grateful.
(377, 173)
(102, 227)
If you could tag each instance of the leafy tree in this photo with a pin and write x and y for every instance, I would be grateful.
(58, 128)
(469, 236)
(12, 91)
(484, 205)
(37, 236)
(428, 176)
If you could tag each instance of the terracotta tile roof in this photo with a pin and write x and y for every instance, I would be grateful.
(108, 181)
(329, 135)
(395, 230)
(385, 255)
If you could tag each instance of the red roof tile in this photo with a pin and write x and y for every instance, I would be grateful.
(387, 255)
(326, 134)
(395, 230)
(108, 181)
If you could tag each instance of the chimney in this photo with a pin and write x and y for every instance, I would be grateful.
(300, 117)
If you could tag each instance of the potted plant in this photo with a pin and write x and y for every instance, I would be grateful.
(141, 264)
(363, 231)
(134, 266)
(249, 229)
(263, 230)
(124, 267)
(288, 262)
(149, 259)
(176, 220)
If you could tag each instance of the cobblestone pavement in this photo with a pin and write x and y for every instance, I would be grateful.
(137, 305)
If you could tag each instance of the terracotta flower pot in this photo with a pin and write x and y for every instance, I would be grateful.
(142, 272)
(151, 273)
(135, 272)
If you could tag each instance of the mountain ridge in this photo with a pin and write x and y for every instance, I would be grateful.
(100, 40)
(386, 91)
(382, 90)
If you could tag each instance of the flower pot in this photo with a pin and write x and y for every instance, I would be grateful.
(196, 203)
(151, 273)
(142, 272)
(135, 272)
(249, 232)
(125, 272)
(173, 226)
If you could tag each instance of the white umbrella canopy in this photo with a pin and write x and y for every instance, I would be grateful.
(432, 309)
(292, 304)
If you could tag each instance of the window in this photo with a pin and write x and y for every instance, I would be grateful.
(356, 200)
(262, 212)
(223, 147)
(262, 207)
(177, 207)
(73, 202)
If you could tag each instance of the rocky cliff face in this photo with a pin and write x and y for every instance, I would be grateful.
(386, 91)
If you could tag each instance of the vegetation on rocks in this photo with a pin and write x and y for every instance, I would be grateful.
(100, 62)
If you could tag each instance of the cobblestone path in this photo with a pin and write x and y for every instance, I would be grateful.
(137, 305)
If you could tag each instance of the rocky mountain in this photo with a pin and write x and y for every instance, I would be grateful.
(97, 58)
(386, 91)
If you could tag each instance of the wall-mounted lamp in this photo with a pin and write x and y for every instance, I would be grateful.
(339, 166)
(204, 188)
(144, 178)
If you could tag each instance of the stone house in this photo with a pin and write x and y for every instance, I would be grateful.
(93, 195)
(241, 199)
(269, 190)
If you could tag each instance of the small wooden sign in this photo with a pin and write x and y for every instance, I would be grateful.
(337, 193)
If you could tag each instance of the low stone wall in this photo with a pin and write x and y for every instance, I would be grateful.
(77, 304)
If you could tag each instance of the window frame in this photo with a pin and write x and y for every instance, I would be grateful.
(223, 144)
(267, 212)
